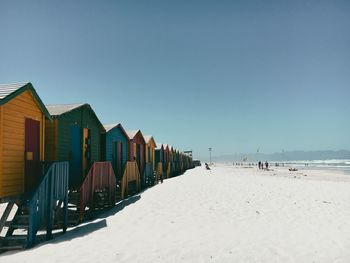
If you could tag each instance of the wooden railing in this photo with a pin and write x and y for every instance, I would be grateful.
(52, 188)
(168, 171)
(160, 173)
(149, 174)
(131, 174)
(100, 178)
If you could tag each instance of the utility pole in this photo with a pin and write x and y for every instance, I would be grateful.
(209, 155)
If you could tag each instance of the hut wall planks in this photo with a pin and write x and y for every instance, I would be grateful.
(116, 135)
(12, 154)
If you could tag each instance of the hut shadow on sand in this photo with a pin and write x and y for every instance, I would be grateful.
(90, 226)
(80, 231)
(87, 227)
(120, 206)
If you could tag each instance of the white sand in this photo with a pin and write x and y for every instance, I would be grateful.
(224, 215)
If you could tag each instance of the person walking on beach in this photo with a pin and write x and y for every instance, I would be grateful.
(259, 164)
(266, 165)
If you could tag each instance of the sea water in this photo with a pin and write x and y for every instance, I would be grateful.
(332, 164)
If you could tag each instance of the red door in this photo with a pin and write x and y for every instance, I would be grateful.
(119, 160)
(32, 154)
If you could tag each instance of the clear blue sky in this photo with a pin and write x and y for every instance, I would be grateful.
(233, 75)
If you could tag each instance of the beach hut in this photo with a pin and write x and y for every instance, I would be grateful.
(137, 152)
(159, 160)
(22, 126)
(181, 164)
(116, 147)
(26, 182)
(116, 151)
(167, 161)
(150, 160)
(171, 161)
(176, 162)
(74, 136)
(187, 162)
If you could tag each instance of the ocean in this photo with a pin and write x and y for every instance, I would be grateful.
(332, 164)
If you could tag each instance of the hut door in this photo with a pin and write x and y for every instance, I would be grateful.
(75, 162)
(142, 157)
(32, 154)
(114, 157)
(117, 158)
(150, 157)
(138, 156)
(86, 151)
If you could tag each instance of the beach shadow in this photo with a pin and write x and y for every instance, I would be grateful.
(118, 207)
(89, 227)
(79, 231)
(59, 237)
(85, 228)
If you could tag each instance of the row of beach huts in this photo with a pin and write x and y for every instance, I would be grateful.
(59, 165)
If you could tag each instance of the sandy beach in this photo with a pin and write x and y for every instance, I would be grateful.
(228, 214)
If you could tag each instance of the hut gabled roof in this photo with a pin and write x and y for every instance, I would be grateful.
(149, 138)
(10, 91)
(159, 146)
(133, 133)
(109, 127)
(57, 110)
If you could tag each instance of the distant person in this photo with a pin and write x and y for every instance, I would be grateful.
(267, 165)
(259, 164)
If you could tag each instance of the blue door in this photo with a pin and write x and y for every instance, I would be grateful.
(115, 157)
(75, 157)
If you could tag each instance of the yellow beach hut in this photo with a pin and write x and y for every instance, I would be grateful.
(22, 125)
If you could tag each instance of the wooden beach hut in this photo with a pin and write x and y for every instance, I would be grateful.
(159, 160)
(150, 167)
(117, 152)
(25, 180)
(22, 127)
(166, 161)
(171, 161)
(176, 162)
(187, 162)
(117, 141)
(181, 165)
(180, 162)
(74, 136)
(137, 153)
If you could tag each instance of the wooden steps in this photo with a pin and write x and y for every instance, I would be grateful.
(37, 209)
(16, 237)
(12, 247)
(12, 240)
